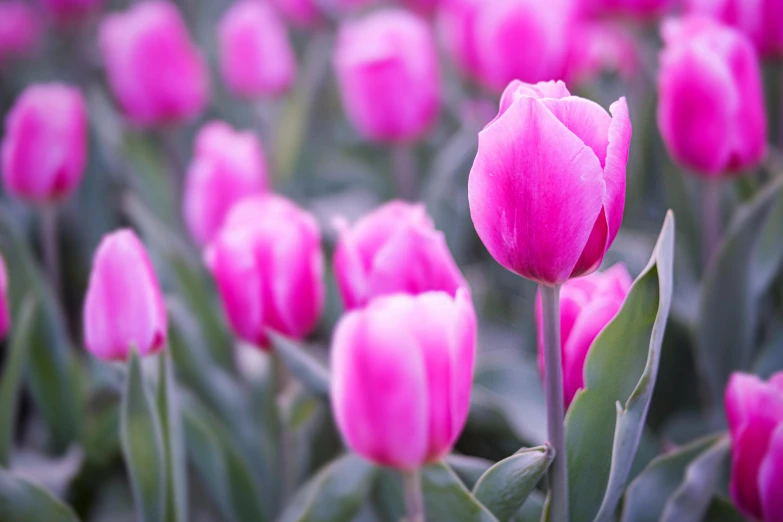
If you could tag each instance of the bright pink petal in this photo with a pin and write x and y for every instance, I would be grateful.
(771, 478)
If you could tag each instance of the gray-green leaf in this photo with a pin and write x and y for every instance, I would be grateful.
(310, 371)
(23, 501)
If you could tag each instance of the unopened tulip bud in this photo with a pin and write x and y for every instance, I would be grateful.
(759, 20)
(402, 370)
(20, 29)
(302, 13)
(64, 11)
(124, 306)
(44, 150)
(5, 313)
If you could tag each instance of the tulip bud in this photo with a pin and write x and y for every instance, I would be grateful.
(587, 305)
(754, 410)
(20, 29)
(156, 73)
(302, 13)
(387, 70)
(600, 47)
(44, 151)
(394, 249)
(402, 370)
(64, 11)
(483, 38)
(642, 9)
(256, 58)
(268, 266)
(227, 167)
(5, 315)
(124, 306)
(711, 108)
(547, 188)
(759, 20)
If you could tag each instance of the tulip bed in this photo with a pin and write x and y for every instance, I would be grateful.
(383, 261)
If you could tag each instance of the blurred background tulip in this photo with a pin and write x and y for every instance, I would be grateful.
(640, 9)
(394, 249)
(123, 307)
(5, 312)
(760, 20)
(20, 29)
(401, 377)
(302, 13)
(65, 11)
(587, 305)
(227, 167)
(268, 266)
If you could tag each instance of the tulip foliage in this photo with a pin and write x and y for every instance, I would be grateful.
(391, 261)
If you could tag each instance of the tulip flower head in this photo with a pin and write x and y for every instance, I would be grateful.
(301, 13)
(402, 370)
(156, 73)
(587, 305)
(754, 409)
(5, 313)
(387, 70)
(124, 306)
(44, 150)
(600, 47)
(547, 188)
(20, 29)
(638, 9)
(65, 11)
(711, 111)
(227, 167)
(256, 58)
(268, 265)
(394, 249)
(760, 20)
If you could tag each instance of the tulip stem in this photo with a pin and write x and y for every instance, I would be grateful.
(51, 254)
(555, 409)
(404, 170)
(711, 199)
(414, 497)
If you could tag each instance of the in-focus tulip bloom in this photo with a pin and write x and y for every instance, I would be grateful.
(156, 73)
(268, 265)
(387, 69)
(711, 110)
(394, 249)
(20, 29)
(760, 20)
(302, 13)
(587, 304)
(755, 413)
(227, 167)
(44, 150)
(547, 188)
(402, 370)
(64, 11)
(5, 313)
(124, 306)
(256, 58)
(497, 41)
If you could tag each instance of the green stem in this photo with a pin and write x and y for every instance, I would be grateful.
(404, 170)
(51, 254)
(414, 496)
(711, 225)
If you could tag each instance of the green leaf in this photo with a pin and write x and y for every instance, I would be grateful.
(336, 493)
(692, 499)
(142, 446)
(620, 374)
(533, 508)
(173, 442)
(721, 510)
(742, 269)
(468, 469)
(506, 485)
(309, 370)
(11, 378)
(646, 496)
(23, 501)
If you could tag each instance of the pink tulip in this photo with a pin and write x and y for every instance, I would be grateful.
(5, 314)
(44, 150)
(302, 13)
(156, 73)
(64, 11)
(124, 307)
(387, 70)
(547, 188)
(497, 41)
(256, 58)
(402, 370)
(20, 29)
(643, 9)
(394, 249)
(600, 47)
(424, 7)
(760, 20)
(587, 305)
(711, 109)
(268, 265)
(755, 413)
(227, 167)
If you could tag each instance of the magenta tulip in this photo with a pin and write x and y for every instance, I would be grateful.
(64, 11)
(20, 29)
(44, 150)
(587, 305)
(484, 38)
(268, 265)
(387, 70)
(5, 313)
(711, 109)
(547, 188)
(394, 249)
(402, 370)
(156, 73)
(755, 413)
(227, 167)
(302, 13)
(642, 9)
(760, 20)
(601, 47)
(256, 58)
(124, 306)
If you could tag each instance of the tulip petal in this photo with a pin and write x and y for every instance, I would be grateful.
(588, 120)
(620, 132)
(771, 478)
(535, 191)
